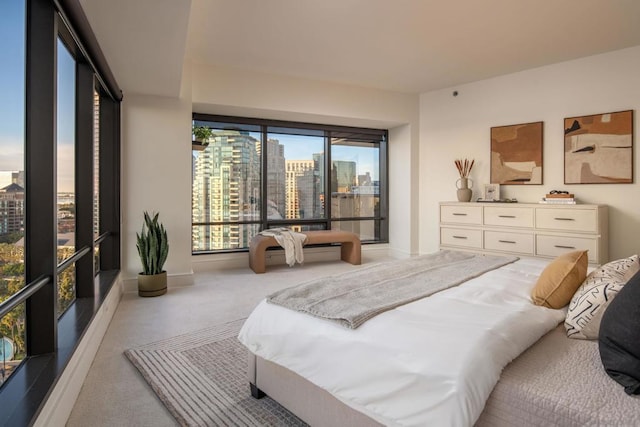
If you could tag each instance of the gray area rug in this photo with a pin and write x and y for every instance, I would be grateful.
(201, 377)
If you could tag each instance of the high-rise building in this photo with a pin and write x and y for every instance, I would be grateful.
(11, 209)
(343, 176)
(319, 174)
(226, 188)
(300, 188)
(276, 180)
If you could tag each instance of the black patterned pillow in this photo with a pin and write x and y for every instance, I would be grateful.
(619, 341)
(594, 295)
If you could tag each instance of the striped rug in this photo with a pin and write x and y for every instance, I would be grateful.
(201, 378)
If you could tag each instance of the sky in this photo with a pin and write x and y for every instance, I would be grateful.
(12, 85)
(298, 147)
(12, 106)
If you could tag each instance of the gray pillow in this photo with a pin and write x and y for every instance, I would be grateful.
(619, 340)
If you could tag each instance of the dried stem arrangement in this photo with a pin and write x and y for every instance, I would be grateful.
(464, 167)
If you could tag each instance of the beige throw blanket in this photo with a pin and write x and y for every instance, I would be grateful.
(353, 298)
(291, 241)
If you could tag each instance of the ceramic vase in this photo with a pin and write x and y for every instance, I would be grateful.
(464, 192)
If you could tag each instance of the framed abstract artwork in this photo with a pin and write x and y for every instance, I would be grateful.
(516, 154)
(598, 149)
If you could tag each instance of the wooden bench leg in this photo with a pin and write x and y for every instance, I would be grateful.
(257, 261)
(350, 252)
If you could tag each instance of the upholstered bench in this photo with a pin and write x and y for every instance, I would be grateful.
(349, 250)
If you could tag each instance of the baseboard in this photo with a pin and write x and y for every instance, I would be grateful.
(130, 284)
(400, 254)
(59, 404)
(213, 262)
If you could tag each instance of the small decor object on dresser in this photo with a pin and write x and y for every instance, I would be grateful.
(491, 192)
(464, 167)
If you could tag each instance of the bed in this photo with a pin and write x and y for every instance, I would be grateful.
(438, 361)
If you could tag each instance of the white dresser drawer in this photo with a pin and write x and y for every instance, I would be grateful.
(462, 214)
(508, 217)
(552, 246)
(508, 242)
(462, 237)
(526, 229)
(585, 220)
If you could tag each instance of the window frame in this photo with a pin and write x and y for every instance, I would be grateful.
(266, 126)
(51, 341)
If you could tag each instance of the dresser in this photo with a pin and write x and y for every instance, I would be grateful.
(531, 229)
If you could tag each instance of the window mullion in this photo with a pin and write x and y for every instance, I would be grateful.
(40, 178)
(109, 182)
(327, 178)
(263, 178)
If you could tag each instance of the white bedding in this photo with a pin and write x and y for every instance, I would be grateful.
(431, 362)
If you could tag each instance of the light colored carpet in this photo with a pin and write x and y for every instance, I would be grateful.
(201, 377)
(115, 394)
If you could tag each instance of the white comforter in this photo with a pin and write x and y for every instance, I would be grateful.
(432, 362)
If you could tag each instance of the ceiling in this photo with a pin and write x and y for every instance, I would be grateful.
(410, 46)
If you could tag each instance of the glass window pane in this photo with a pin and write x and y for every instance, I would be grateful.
(222, 236)
(66, 283)
(12, 342)
(355, 182)
(96, 259)
(12, 185)
(366, 230)
(66, 171)
(296, 183)
(226, 187)
(295, 176)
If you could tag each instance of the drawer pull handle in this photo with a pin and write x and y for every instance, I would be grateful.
(459, 214)
(459, 237)
(565, 219)
(507, 241)
(564, 247)
(506, 216)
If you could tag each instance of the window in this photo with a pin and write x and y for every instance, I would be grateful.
(59, 196)
(65, 169)
(12, 189)
(254, 174)
(355, 185)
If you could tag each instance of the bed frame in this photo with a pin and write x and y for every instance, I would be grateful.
(589, 397)
(312, 404)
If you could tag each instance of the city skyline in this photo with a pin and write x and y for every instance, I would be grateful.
(227, 188)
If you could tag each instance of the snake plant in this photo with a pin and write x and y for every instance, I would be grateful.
(153, 245)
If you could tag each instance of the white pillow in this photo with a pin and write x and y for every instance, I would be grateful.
(594, 295)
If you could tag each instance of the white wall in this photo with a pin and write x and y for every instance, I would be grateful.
(156, 176)
(458, 127)
(157, 155)
(251, 94)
